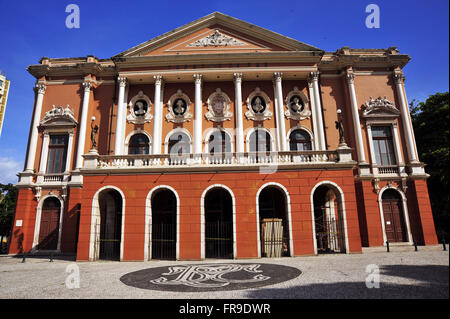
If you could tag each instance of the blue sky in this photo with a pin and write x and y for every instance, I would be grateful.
(33, 29)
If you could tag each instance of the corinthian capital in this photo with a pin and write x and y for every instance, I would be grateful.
(40, 88)
(399, 78)
(277, 76)
(158, 79)
(87, 86)
(313, 77)
(198, 78)
(350, 78)
(122, 81)
(237, 77)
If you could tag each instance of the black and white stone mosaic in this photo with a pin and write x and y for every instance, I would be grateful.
(210, 277)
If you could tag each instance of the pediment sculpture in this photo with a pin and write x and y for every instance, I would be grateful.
(216, 39)
(379, 106)
(59, 116)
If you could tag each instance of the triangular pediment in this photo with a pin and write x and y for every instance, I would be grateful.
(217, 33)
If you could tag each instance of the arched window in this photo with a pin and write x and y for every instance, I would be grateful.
(139, 144)
(179, 143)
(299, 140)
(219, 142)
(260, 141)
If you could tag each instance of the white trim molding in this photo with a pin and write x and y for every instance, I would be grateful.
(219, 105)
(303, 128)
(258, 114)
(178, 113)
(251, 130)
(138, 131)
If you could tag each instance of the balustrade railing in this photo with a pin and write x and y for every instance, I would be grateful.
(222, 159)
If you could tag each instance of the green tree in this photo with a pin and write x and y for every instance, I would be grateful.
(431, 121)
(8, 198)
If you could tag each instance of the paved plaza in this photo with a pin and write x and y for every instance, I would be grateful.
(401, 273)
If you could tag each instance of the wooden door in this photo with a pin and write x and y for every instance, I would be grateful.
(394, 221)
(49, 229)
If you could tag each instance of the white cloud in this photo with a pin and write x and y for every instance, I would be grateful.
(9, 167)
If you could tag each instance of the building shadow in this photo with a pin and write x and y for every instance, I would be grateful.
(431, 283)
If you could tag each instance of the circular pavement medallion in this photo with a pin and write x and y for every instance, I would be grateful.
(210, 277)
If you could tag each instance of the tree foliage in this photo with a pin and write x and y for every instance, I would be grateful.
(8, 198)
(431, 122)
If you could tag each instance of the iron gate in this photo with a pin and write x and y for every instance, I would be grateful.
(330, 235)
(164, 241)
(219, 239)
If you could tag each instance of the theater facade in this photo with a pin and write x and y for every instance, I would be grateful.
(221, 139)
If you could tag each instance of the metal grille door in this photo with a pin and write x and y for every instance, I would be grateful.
(164, 241)
(219, 239)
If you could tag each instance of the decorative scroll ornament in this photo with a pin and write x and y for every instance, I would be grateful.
(179, 108)
(258, 104)
(215, 40)
(379, 105)
(139, 108)
(59, 116)
(218, 107)
(210, 276)
(297, 105)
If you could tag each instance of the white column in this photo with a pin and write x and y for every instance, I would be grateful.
(280, 118)
(157, 124)
(120, 121)
(314, 112)
(198, 136)
(314, 76)
(83, 124)
(40, 89)
(410, 145)
(355, 116)
(398, 153)
(372, 150)
(44, 154)
(69, 151)
(238, 113)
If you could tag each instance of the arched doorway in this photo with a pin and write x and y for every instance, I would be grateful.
(274, 222)
(218, 224)
(328, 220)
(394, 217)
(164, 225)
(49, 225)
(110, 204)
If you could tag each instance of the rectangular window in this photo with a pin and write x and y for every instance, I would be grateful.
(383, 146)
(57, 154)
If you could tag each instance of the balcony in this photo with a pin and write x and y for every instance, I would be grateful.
(224, 161)
(388, 170)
